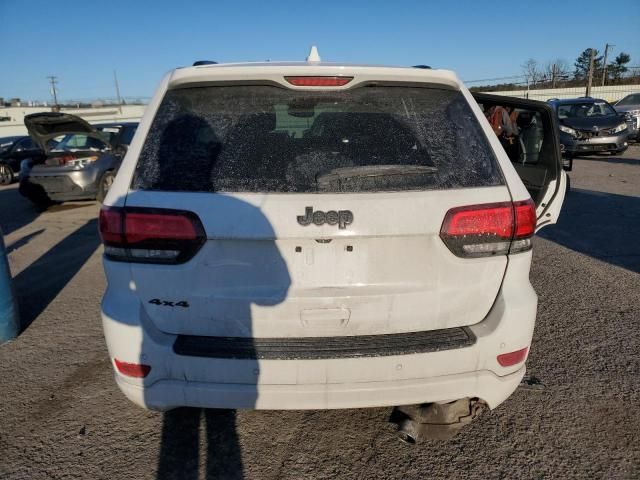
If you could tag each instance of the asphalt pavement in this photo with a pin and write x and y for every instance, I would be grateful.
(62, 416)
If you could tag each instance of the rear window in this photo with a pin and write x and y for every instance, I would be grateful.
(271, 139)
(78, 141)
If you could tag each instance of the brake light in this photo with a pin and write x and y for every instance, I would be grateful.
(318, 81)
(489, 229)
(512, 358)
(525, 213)
(149, 235)
(81, 162)
(135, 370)
(110, 225)
(492, 219)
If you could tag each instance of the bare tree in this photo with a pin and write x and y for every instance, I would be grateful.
(562, 67)
(556, 70)
(532, 71)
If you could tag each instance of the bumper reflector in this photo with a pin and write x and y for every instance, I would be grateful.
(136, 370)
(512, 358)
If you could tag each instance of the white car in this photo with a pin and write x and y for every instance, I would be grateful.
(314, 235)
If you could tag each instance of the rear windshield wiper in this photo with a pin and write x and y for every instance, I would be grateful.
(373, 171)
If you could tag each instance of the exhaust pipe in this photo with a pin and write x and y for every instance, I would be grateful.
(435, 421)
(408, 431)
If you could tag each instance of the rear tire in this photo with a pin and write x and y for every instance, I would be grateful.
(6, 174)
(105, 184)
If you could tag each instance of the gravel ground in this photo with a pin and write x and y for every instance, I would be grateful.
(62, 416)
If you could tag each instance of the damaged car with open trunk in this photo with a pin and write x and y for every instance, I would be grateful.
(80, 160)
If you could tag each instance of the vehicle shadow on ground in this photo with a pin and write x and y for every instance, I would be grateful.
(38, 284)
(16, 211)
(605, 226)
(180, 445)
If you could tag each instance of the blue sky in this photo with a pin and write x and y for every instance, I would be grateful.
(82, 42)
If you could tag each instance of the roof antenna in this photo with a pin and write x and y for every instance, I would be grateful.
(313, 55)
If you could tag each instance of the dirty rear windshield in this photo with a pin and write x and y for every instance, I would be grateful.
(272, 139)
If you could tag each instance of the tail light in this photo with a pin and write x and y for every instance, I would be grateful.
(150, 235)
(489, 229)
(135, 370)
(81, 162)
(318, 81)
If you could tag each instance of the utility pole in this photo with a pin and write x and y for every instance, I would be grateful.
(604, 69)
(53, 80)
(590, 74)
(554, 71)
(115, 78)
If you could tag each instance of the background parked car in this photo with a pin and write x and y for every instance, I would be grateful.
(84, 159)
(630, 107)
(590, 125)
(12, 151)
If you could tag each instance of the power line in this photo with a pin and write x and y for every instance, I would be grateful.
(495, 79)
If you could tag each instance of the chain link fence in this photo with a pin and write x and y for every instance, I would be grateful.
(520, 86)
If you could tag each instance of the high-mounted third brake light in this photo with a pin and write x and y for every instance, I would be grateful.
(150, 235)
(489, 229)
(318, 81)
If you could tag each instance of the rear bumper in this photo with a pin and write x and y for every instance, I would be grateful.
(167, 394)
(63, 188)
(63, 183)
(438, 376)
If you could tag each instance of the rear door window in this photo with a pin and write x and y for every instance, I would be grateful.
(528, 134)
(272, 139)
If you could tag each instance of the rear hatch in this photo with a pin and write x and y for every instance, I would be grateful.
(67, 140)
(320, 211)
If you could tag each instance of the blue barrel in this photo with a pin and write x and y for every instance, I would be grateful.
(9, 321)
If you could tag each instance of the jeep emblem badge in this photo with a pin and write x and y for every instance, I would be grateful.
(341, 217)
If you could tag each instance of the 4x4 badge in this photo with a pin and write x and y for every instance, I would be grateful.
(341, 217)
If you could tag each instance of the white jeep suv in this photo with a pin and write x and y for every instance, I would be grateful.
(314, 235)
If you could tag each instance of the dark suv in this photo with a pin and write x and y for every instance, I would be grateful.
(590, 125)
(81, 160)
(12, 151)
